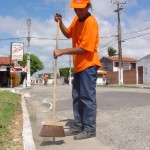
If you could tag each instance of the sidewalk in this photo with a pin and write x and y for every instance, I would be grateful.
(122, 119)
(65, 143)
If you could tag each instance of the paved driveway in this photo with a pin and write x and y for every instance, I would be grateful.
(123, 121)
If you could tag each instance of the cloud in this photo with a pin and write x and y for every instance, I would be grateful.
(107, 19)
(10, 25)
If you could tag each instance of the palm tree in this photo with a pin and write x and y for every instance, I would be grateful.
(111, 51)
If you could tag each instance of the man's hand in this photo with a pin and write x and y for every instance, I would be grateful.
(57, 53)
(58, 17)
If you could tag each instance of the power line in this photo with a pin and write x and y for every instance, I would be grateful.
(125, 40)
(136, 31)
(109, 46)
(114, 39)
(45, 38)
(17, 38)
(136, 36)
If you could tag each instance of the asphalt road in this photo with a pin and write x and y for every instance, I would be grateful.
(123, 121)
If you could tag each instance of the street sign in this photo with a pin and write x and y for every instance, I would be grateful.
(17, 51)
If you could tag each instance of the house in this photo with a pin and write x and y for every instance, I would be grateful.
(4, 71)
(101, 80)
(111, 65)
(143, 70)
(8, 78)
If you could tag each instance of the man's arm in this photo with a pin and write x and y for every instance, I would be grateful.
(71, 51)
(58, 17)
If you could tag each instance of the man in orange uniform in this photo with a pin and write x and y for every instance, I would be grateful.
(85, 39)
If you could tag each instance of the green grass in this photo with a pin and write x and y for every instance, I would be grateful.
(9, 105)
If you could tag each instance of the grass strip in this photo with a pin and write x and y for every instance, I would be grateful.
(10, 104)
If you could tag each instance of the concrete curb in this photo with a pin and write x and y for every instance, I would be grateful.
(28, 142)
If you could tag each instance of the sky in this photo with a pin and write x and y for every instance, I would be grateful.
(135, 27)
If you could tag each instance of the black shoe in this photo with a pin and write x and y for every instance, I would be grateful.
(72, 131)
(84, 135)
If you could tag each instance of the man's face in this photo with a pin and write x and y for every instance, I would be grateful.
(81, 12)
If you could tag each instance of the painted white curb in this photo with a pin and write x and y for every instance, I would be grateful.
(28, 142)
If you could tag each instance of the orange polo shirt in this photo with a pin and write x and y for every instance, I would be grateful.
(85, 35)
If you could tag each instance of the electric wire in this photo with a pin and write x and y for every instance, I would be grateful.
(136, 36)
(45, 38)
(131, 33)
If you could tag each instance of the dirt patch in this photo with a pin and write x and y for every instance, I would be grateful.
(14, 140)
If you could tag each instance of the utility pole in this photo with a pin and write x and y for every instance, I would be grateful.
(28, 54)
(120, 70)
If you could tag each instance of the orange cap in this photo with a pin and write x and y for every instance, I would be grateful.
(79, 3)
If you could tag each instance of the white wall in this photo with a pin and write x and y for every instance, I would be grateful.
(145, 62)
(101, 81)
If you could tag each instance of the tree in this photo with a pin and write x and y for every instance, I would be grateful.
(64, 72)
(111, 51)
(35, 63)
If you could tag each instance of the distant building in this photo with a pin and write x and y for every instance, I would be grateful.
(8, 78)
(101, 80)
(143, 70)
(5, 71)
(112, 63)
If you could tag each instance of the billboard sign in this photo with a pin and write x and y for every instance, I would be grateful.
(17, 51)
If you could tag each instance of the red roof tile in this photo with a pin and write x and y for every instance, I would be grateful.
(125, 59)
(4, 60)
